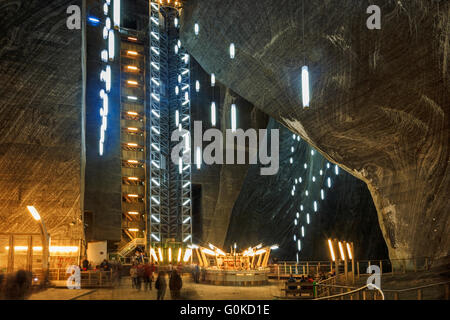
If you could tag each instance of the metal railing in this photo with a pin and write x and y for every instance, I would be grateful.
(89, 279)
(328, 291)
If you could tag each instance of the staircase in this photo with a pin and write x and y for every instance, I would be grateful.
(130, 246)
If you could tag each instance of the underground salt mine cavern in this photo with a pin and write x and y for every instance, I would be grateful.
(291, 150)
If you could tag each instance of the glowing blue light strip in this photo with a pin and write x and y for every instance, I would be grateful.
(233, 118)
(305, 86)
(117, 13)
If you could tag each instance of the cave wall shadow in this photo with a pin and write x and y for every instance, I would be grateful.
(266, 208)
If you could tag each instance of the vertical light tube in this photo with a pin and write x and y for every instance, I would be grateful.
(116, 13)
(330, 245)
(196, 29)
(232, 51)
(213, 114)
(213, 79)
(197, 86)
(305, 86)
(233, 117)
(341, 250)
(111, 45)
(177, 117)
(198, 158)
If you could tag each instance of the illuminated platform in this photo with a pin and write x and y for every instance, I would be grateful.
(235, 278)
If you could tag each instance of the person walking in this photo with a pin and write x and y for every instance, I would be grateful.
(148, 276)
(197, 273)
(133, 275)
(140, 275)
(161, 285)
(175, 285)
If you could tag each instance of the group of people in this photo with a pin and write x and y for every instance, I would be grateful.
(309, 278)
(144, 273)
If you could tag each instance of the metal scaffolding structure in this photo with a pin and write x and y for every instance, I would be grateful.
(169, 192)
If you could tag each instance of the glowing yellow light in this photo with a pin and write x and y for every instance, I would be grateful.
(187, 255)
(63, 249)
(133, 178)
(331, 250)
(53, 249)
(132, 129)
(34, 213)
(132, 113)
(160, 254)
(179, 255)
(132, 144)
(170, 254)
(210, 252)
(133, 161)
(133, 195)
(133, 230)
(341, 250)
(133, 212)
(152, 252)
(132, 39)
(132, 82)
(220, 252)
(132, 53)
(349, 250)
(260, 251)
(132, 68)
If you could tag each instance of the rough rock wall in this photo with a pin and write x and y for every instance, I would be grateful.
(220, 184)
(379, 97)
(267, 207)
(41, 118)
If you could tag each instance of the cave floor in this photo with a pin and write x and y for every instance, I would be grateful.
(195, 291)
(190, 291)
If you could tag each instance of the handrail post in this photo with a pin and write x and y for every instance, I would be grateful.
(381, 267)
(419, 294)
(364, 295)
(396, 297)
(357, 267)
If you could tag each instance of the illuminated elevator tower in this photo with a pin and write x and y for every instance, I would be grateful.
(169, 192)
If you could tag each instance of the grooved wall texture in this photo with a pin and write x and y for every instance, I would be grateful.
(41, 112)
(379, 105)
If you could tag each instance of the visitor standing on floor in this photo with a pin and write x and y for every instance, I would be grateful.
(133, 275)
(161, 285)
(175, 285)
(148, 277)
(140, 275)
